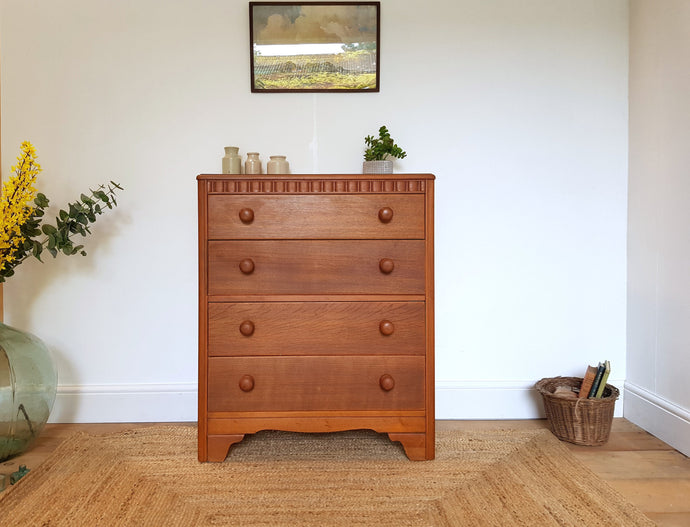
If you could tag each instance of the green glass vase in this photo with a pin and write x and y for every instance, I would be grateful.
(28, 383)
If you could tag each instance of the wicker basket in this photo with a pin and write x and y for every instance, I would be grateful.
(579, 421)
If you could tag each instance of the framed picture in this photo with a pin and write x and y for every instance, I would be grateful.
(314, 46)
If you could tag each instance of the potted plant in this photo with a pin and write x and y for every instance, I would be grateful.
(28, 376)
(379, 153)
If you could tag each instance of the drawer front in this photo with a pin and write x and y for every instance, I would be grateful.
(341, 216)
(283, 384)
(320, 328)
(315, 267)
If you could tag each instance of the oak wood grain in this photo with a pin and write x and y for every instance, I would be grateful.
(252, 422)
(315, 383)
(337, 216)
(315, 267)
(323, 328)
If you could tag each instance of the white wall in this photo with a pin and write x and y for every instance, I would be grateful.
(659, 221)
(519, 108)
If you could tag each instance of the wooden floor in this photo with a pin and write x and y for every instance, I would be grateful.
(649, 473)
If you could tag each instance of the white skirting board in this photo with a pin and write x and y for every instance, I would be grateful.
(488, 400)
(178, 402)
(125, 403)
(664, 419)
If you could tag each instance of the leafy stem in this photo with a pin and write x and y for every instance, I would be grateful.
(381, 147)
(73, 220)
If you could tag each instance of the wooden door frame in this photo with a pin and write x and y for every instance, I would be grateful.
(2, 311)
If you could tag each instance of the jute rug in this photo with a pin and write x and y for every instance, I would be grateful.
(151, 477)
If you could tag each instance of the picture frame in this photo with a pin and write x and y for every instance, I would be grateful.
(314, 46)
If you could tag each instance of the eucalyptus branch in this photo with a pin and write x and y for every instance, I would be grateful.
(22, 210)
(75, 220)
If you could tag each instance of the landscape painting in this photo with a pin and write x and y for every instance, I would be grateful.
(314, 46)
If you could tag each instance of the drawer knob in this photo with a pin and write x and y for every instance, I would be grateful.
(386, 327)
(386, 382)
(246, 383)
(386, 265)
(247, 328)
(247, 266)
(386, 214)
(246, 215)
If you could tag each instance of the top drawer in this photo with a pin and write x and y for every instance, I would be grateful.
(341, 216)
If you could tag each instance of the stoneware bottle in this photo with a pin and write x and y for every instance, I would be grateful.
(253, 164)
(232, 161)
(278, 165)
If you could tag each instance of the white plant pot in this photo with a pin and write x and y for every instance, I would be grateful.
(378, 167)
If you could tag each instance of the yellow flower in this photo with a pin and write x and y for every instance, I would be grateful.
(15, 210)
(21, 214)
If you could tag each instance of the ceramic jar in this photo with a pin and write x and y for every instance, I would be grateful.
(232, 161)
(253, 164)
(278, 165)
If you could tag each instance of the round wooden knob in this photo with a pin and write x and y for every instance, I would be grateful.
(247, 328)
(386, 214)
(386, 382)
(386, 327)
(386, 265)
(247, 266)
(246, 215)
(246, 383)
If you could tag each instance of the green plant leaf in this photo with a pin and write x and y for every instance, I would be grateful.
(41, 200)
(37, 250)
(382, 147)
(74, 219)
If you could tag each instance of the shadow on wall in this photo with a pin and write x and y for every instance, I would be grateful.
(26, 289)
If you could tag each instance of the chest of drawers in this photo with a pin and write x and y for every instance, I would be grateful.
(316, 307)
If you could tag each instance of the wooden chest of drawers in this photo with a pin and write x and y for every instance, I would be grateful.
(316, 307)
